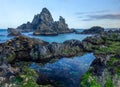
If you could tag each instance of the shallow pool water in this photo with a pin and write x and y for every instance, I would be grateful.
(65, 72)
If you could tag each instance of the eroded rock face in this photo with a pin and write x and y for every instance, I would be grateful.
(13, 32)
(61, 26)
(43, 24)
(43, 20)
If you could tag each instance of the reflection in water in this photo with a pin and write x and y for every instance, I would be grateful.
(66, 72)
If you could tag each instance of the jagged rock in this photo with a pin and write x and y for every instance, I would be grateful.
(23, 48)
(93, 30)
(7, 72)
(43, 20)
(13, 32)
(19, 47)
(43, 24)
(61, 26)
(28, 27)
(47, 26)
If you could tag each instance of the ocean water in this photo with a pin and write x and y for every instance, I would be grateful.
(60, 38)
(3, 35)
(66, 71)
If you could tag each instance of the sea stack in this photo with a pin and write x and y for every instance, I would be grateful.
(44, 24)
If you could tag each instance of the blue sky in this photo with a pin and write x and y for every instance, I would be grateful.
(78, 13)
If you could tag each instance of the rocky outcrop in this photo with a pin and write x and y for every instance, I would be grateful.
(93, 30)
(23, 48)
(43, 24)
(43, 20)
(61, 26)
(13, 32)
(28, 27)
(18, 48)
(104, 69)
(29, 49)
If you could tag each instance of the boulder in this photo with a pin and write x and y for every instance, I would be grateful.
(18, 48)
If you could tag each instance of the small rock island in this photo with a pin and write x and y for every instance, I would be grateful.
(44, 24)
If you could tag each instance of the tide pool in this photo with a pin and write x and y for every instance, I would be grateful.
(65, 72)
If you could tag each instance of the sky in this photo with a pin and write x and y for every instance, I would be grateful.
(78, 13)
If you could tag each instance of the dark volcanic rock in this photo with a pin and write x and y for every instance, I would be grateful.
(13, 32)
(93, 30)
(43, 24)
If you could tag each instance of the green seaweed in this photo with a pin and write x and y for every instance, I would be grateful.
(88, 80)
(109, 82)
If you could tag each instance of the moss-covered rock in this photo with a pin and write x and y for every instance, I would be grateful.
(11, 57)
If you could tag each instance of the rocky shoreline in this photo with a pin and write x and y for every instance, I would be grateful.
(17, 54)
(104, 71)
